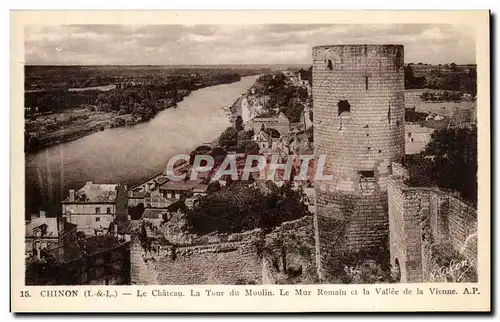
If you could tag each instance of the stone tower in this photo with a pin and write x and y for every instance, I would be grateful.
(358, 95)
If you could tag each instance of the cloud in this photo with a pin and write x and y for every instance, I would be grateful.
(235, 44)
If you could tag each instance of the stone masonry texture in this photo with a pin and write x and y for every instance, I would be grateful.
(412, 211)
(358, 95)
(234, 260)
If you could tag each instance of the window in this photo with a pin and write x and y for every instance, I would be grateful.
(97, 210)
(367, 181)
(343, 106)
(397, 271)
(329, 65)
(366, 82)
(367, 174)
(389, 115)
(108, 210)
(97, 219)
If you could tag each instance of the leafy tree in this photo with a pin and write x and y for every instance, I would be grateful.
(449, 161)
(238, 124)
(272, 132)
(229, 137)
(136, 212)
(240, 208)
(294, 110)
(248, 147)
(246, 135)
(219, 154)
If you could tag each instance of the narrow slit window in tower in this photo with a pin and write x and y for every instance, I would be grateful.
(389, 116)
(366, 82)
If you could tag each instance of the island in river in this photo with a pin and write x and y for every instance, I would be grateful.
(64, 103)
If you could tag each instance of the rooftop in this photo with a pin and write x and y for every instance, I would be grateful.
(93, 192)
(184, 185)
(154, 213)
(47, 226)
(200, 188)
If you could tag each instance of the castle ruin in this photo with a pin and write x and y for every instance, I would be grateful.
(358, 95)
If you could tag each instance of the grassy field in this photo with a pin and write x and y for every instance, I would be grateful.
(412, 99)
(455, 114)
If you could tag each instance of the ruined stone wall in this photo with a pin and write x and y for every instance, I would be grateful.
(140, 273)
(223, 259)
(463, 228)
(397, 227)
(288, 253)
(421, 218)
(358, 95)
(226, 263)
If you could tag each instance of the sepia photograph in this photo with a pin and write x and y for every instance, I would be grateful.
(390, 123)
(318, 155)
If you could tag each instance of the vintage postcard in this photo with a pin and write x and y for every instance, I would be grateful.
(250, 161)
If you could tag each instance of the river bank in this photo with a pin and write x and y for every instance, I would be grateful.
(93, 122)
(83, 126)
(129, 154)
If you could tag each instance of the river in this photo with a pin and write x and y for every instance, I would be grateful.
(129, 154)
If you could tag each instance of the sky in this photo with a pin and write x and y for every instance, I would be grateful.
(236, 44)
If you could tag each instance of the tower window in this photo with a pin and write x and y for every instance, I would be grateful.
(343, 106)
(367, 181)
(367, 174)
(329, 65)
(366, 82)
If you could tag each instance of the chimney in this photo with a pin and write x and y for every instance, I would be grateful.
(129, 218)
(71, 194)
(60, 223)
(125, 187)
(116, 230)
(42, 213)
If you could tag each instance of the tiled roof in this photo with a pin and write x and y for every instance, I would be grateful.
(138, 195)
(161, 180)
(262, 136)
(93, 192)
(200, 188)
(153, 213)
(179, 185)
(47, 225)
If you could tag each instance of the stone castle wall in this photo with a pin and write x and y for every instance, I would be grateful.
(225, 259)
(420, 218)
(358, 95)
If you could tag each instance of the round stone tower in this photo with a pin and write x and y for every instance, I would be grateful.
(358, 101)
